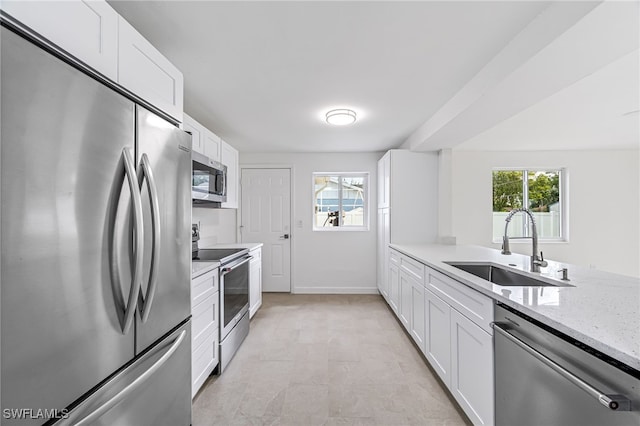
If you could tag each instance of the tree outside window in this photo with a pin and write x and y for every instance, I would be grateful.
(540, 191)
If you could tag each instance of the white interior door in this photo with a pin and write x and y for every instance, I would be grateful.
(266, 218)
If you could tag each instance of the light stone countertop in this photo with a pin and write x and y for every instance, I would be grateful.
(249, 246)
(602, 310)
(200, 268)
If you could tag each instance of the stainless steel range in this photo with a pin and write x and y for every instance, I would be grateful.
(234, 297)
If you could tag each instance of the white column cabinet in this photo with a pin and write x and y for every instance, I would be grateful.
(407, 203)
(383, 248)
(230, 159)
(255, 281)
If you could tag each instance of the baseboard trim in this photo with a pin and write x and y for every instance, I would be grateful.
(335, 290)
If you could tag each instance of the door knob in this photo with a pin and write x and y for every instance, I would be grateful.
(285, 237)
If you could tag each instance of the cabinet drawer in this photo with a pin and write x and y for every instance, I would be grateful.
(474, 305)
(205, 320)
(203, 286)
(413, 267)
(394, 257)
(204, 359)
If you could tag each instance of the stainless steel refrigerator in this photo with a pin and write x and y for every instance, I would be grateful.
(95, 271)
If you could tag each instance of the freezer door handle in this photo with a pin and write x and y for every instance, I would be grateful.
(128, 310)
(133, 386)
(144, 301)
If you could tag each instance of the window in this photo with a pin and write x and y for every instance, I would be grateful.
(341, 201)
(540, 191)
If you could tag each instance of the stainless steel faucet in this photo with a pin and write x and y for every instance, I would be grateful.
(536, 261)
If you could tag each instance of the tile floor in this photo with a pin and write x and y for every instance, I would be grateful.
(325, 360)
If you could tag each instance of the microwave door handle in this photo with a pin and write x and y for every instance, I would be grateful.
(145, 301)
(125, 312)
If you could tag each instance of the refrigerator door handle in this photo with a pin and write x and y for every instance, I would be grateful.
(133, 386)
(144, 301)
(136, 276)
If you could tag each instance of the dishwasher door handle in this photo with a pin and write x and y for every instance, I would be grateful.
(613, 402)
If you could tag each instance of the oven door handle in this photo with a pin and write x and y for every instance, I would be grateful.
(228, 268)
(613, 402)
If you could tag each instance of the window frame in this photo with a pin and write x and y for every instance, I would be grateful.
(366, 204)
(563, 194)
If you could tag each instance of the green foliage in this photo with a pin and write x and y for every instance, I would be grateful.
(507, 190)
(544, 190)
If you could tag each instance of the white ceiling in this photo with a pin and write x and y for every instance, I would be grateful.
(261, 74)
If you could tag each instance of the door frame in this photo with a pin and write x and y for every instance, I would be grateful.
(292, 239)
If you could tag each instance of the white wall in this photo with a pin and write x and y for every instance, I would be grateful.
(327, 262)
(604, 212)
(216, 225)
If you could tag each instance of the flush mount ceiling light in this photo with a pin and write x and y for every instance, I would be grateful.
(341, 117)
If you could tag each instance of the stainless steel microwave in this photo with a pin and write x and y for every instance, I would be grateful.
(208, 181)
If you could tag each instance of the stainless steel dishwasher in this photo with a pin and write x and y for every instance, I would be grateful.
(544, 377)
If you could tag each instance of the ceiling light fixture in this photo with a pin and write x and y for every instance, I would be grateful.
(341, 117)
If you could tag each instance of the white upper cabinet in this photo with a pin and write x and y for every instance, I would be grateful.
(93, 33)
(143, 70)
(197, 131)
(229, 158)
(212, 145)
(384, 170)
(87, 30)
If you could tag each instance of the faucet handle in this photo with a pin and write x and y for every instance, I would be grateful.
(542, 262)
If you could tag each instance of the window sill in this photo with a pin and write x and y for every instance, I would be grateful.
(528, 241)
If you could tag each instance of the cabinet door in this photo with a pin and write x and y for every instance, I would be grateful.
(383, 252)
(87, 30)
(394, 286)
(255, 282)
(437, 338)
(197, 133)
(384, 169)
(230, 159)
(405, 299)
(212, 145)
(143, 70)
(472, 369)
(417, 313)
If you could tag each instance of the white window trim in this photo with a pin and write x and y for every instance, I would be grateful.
(564, 204)
(365, 191)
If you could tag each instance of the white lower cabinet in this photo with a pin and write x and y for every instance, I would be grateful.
(438, 336)
(417, 314)
(205, 328)
(394, 286)
(255, 281)
(458, 348)
(472, 369)
(404, 308)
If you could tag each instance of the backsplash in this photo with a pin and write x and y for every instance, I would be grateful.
(217, 226)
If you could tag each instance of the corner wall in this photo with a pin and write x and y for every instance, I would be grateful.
(604, 207)
(327, 262)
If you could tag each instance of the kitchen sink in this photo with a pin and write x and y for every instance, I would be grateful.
(503, 276)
